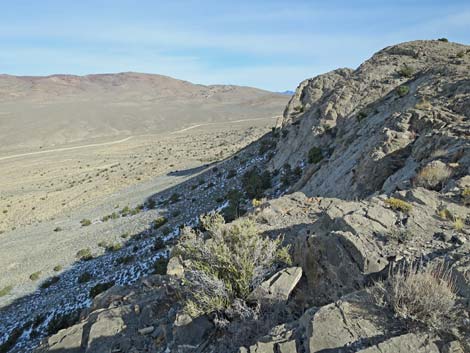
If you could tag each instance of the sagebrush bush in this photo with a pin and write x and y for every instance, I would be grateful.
(85, 222)
(255, 183)
(226, 262)
(433, 176)
(426, 295)
(315, 155)
(406, 71)
(399, 205)
(403, 90)
(84, 254)
(5, 290)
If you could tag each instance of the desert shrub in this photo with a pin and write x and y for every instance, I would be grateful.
(61, 321)
(159, 244)
(57, 229)
(100, 288)
(423, 104)
(124, 260)
(400, 235)
(406, 71)
(466, 196)
(403, 90)
(12, 339)
(50, 281)
(398, 205)
(226, 262)
(57, 268)
(84, 277)
(125, 211)
(256, 203)
(299, 109)
(103, 244)
(150, 204)
(166, 230)
(175, 197)
(315, 155)
(458, 224)
(433, 176)
(85, 222)
(231, 174)
(160, 265)
(426, 295)
(461, 54)
(443, 40)
(159, 222)
(290, 176)
(84, 254)
(255, 183)
(444, 213)
(234, 209)
(361, 115)
(114, 247)
(266, 145)
(35, 276)
(5, 290)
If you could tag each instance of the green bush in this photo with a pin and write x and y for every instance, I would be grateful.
(315, 155)
(361, 115)
(175, 197)
(406, 71)
(84, 277)
(160, 266)
(225, 263)
(5, 290)
(150, 204)
(49, 282)
(234, 209)
(35, 276)
(100, 288)
(403, 90)
(84, 254)
(85, 222)
(124, 260)
(114, 247)
(57, 229)
(159, 222)
(443, 40)
(57, 268)
(461, 54)
(255, 183)
(231, 174)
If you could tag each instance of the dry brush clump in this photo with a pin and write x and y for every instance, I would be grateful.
(433, 176)
(225, 262)
(424, 295)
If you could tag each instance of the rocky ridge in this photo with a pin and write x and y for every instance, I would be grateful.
(370, 170)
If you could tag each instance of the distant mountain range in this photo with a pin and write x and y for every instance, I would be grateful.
(63, 109)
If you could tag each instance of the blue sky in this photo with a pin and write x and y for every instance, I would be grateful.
(269, 44)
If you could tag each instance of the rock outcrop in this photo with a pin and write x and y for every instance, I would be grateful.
(389, 190)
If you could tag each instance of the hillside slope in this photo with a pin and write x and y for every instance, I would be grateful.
(40, 112)
(372, 136)
(380, 261)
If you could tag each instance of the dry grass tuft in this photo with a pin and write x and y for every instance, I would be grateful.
(433, 176)
(458, 224)
(426, 295)
(399, 205)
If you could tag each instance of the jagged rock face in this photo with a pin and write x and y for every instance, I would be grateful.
(373, 139)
